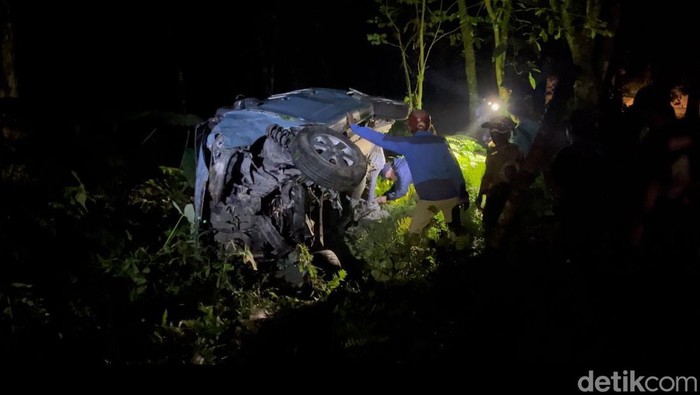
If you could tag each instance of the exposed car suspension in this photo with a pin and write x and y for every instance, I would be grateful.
(281, 135)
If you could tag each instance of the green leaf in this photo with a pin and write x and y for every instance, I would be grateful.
(533, 83)
(164, 319)
(189, 213)
(81, 197)
(177, 208)
(248, 258)
(377, 38)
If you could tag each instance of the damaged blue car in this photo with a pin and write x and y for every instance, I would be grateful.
(279, 172)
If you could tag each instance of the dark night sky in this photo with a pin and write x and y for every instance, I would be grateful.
(120, 55)
(127, 56)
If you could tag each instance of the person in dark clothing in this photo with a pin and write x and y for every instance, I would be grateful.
(437, 176)
(400, 174)
(526, 126)
(503, 160)
(581, 187)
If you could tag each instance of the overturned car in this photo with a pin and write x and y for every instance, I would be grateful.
(279, 172)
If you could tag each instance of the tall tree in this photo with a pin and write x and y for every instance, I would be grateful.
(8, 79)
(582, 26)
(499, 12)
(413, 27)
(467, 33)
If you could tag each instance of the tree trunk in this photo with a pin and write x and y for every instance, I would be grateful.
(500, 23)
(421, 58)
(8, 81)
(588, 87)
(467, 32)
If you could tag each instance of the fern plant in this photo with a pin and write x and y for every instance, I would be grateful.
(389, 250)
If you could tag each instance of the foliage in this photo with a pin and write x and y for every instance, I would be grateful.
(160, 193)
(389, 251)
(233, 297)
(551, 19)
(134, 284)
(414, 27)
(19, 307)
(12, 173)
(121, 278)
(580, 25)
(359, 314)
(320, 288)
(521, 29)
(387, 248)
(74, 199)
(471, 157)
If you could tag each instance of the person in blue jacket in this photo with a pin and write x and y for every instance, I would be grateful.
(398, 172)
(436, 174)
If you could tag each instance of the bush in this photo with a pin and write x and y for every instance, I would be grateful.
(388, 250)
(386, 246)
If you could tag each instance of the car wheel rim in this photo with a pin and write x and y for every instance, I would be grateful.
(333, 150)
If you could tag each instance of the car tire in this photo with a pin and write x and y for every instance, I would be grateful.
(327, 261)
(328, 158)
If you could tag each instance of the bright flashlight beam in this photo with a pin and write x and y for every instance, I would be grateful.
(495, 106)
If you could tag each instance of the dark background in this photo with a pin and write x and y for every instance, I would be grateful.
(131, 56)
(101, 61)
(196, 57)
